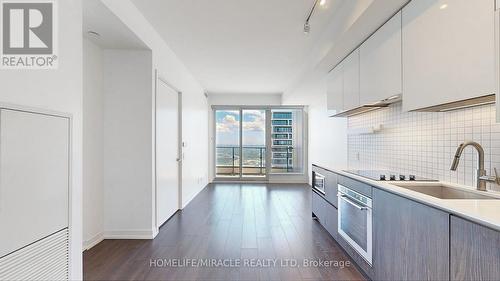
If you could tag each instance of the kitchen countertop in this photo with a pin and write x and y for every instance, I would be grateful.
(483, 211)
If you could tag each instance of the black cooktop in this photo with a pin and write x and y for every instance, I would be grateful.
(383, 175)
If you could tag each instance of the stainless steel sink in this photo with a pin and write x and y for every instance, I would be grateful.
(443, 191)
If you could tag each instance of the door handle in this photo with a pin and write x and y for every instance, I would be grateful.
(357, 206)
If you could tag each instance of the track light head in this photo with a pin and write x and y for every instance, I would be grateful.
(307, 27)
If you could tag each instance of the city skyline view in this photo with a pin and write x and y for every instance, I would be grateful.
(228, 124)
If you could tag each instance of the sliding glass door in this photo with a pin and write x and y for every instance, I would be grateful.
(253, 132)
(227, 143)
(251, 143)
(240, 143)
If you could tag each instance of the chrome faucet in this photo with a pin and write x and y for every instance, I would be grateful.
(481, 177)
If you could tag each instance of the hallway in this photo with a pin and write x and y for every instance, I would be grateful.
(236, 223)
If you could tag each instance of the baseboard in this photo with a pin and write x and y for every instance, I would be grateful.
(291, 178)
(285, 181)
(184, 204)
(96, 239)
(272, 181)
(239, 181)
(130, 234)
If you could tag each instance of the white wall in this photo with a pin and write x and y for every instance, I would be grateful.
(244, 99)
(59, 90)
(93, 146)
(194, 105)
(118, 148)
(327, 136)
(128, 144)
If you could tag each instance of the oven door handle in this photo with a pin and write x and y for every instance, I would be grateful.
(359, 207)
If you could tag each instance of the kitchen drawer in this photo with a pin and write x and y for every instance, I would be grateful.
(331, 188)
(318, 205)
(355, 185)
(331, 220)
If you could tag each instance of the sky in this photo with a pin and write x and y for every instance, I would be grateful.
(228, 123)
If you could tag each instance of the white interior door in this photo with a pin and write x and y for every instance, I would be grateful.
(167, 151)
(34, 177)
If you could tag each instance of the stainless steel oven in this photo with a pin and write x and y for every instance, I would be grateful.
(319, 182)
(355, 221)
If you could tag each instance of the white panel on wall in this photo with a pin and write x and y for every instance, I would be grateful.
(424, 143)
(46, 259)
(34, 177)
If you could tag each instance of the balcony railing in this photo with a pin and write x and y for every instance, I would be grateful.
(254, 161)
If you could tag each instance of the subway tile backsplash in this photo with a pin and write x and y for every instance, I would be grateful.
(424, 143)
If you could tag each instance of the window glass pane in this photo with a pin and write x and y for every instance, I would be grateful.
(254, 143)
(227, 145)
(287, 143)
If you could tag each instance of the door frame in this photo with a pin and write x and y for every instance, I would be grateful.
(240, 108)
(180, 154)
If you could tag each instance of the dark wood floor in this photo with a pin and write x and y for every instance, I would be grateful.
(229, 221)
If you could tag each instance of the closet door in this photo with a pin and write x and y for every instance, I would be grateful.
(34, 177)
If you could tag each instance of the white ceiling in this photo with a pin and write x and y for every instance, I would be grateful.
(113, 32)
(239, 46)
(258, 46)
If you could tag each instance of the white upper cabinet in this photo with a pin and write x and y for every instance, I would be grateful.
(350, 69)
(335, 89)
(448, 51)
(497, 60)
(380, 63)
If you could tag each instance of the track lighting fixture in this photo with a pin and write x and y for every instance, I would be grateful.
(307, 26)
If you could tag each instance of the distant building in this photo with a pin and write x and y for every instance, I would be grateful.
(282, 138)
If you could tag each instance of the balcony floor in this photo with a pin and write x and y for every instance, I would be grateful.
(228, 221)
